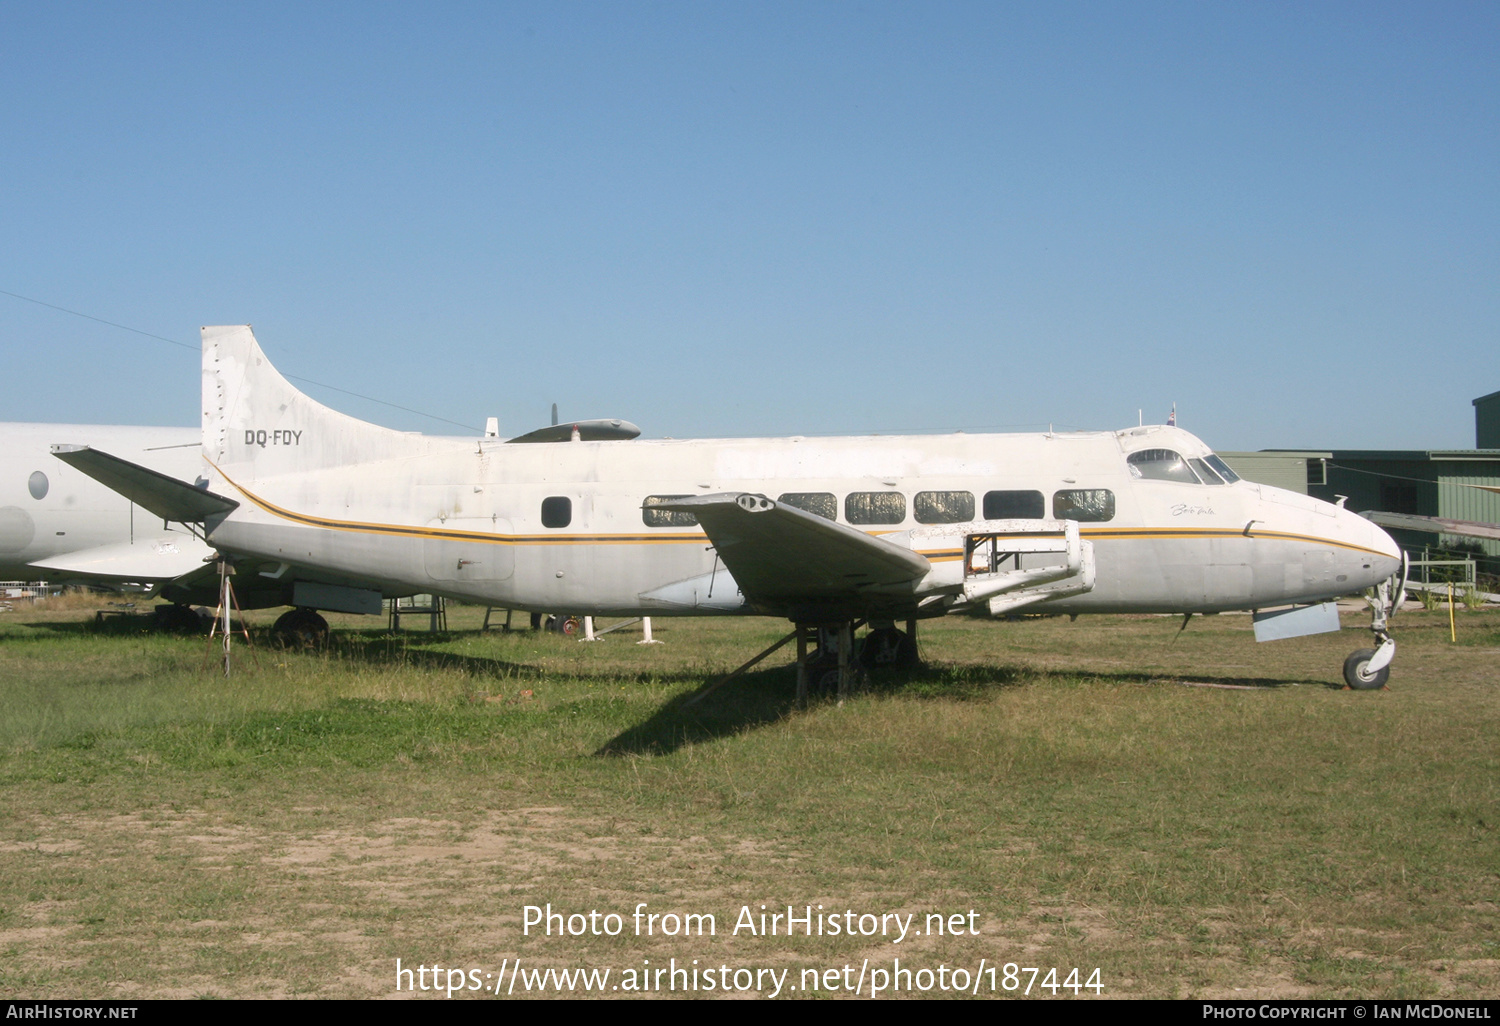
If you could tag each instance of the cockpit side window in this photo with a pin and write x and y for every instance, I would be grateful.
(1160, 465)
(1222, 467)
(1206, 472)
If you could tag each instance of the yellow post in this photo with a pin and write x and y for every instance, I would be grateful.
(1452, 628)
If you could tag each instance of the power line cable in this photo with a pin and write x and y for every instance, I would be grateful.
(185, 345)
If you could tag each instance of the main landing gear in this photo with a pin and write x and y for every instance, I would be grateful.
(1367, 669)
(178, 619)
(827, 658)
(301, 628)
(832, 666)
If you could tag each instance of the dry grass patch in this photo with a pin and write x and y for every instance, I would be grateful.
(297, 829)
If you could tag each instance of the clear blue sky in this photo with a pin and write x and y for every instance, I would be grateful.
(765, 219)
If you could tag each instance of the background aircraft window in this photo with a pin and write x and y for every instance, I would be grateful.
(557, 511)
(824, 504)
(1087, 505)
(1206, 472)
(1014, 506)
(943, 507)
(1222, 467)
(1161, 465)
(875, 507)
(665, 517)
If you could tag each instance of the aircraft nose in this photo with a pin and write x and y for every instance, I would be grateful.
(1384, 554)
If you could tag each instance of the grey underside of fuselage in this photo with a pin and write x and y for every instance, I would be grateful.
(1191, 575)
(683, 579)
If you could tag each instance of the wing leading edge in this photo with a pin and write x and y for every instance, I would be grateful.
(790, 562)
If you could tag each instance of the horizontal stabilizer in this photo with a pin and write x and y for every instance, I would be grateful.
(784, 558)
(163, 558)
(588, 431)
(165, 496)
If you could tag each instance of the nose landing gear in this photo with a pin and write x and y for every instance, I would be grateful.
(1357, 672)
(1367, 669)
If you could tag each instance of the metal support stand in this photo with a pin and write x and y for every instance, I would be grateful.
(489, 610)
(646, 629)
(436, 609)
(224, 616)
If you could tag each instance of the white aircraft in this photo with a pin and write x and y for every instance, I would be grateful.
(822, 531)
(59, 525)
(65, 527)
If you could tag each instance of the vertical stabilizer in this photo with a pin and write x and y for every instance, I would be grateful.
(256, 424)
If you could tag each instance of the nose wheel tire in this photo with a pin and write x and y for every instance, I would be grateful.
(1358, 677)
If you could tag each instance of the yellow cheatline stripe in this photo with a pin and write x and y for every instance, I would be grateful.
(1113, 533)
(443, 534)
(1100, 533)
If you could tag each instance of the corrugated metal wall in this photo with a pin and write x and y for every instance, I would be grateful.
(1459, 503)
(1289, 472)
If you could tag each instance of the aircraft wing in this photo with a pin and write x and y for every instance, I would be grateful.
(165, 496)
(788, 560)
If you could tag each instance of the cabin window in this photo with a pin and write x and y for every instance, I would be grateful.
(1086, 505)
(824, 504)
(665, 517)
(943, 507)
(1014, 506)
(875, 507)
(37, 484)
(1221, 467)
(557, 511)
(1160, 465)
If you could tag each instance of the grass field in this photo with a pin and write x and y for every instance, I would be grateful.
(297, 828)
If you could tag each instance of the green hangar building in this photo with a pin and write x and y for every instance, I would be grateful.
(1460, 485)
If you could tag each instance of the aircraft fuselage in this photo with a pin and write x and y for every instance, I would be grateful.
(572, 526)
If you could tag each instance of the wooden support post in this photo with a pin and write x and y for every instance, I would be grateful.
(846, 642)
(802, 632)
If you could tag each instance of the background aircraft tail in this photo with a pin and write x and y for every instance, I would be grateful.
(256, 424)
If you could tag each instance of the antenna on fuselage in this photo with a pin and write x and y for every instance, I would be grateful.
(554, 415)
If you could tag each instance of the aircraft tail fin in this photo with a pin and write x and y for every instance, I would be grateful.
(256, 424)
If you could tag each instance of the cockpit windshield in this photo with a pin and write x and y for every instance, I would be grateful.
(1160, 465)
(1166, 465)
